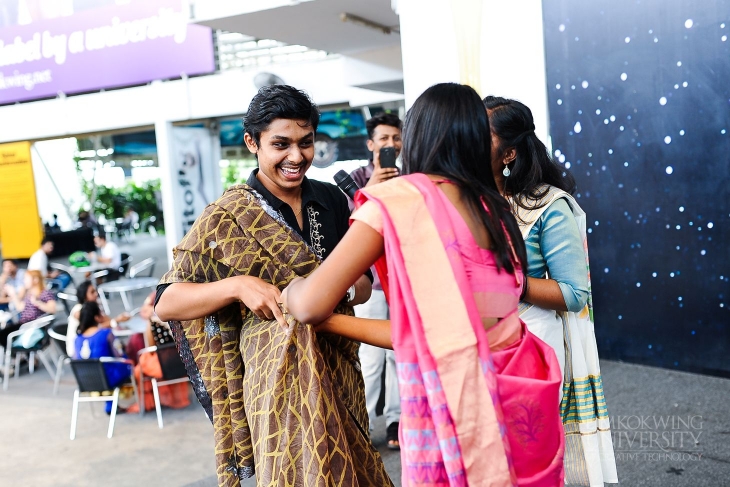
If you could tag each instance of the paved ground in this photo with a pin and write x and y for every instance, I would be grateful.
(670, 429)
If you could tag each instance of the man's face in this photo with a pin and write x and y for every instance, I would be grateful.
(48, 247)
(9, 268)
(385, 136)
(285, 153)
(99, 242)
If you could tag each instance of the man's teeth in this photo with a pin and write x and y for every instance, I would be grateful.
(290, 170)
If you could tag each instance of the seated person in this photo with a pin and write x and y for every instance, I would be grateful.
(174, 396)
(130, 222)
(13, 277)
(95, 341)
(84, 293)
(36, 302)
(86, 219)
(109, 254)
(39, 262)
(138, 341)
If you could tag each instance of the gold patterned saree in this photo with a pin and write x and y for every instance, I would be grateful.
(287, 405)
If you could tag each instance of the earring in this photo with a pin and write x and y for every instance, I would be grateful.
(506, 171)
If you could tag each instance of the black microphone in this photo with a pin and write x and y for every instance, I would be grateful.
(345, 182)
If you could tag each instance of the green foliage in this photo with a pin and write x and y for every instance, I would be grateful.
(231, 176)
(112, 202)
(237, 171)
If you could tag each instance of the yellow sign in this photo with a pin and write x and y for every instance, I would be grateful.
(20, 226)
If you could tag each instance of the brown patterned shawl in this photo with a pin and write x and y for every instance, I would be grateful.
(287, 405)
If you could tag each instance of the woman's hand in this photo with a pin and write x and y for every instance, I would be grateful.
(313, 299)
(285, 292)
(48, 307)
(122, 317)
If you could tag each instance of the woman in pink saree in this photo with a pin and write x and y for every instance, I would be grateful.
(477, 389)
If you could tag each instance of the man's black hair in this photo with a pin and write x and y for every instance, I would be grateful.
(389, 119)
(101, 235)
(278, 101)
(46, 240)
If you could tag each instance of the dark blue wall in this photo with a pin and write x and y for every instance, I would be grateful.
(639, 97)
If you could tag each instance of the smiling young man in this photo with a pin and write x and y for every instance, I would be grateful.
(286, 404)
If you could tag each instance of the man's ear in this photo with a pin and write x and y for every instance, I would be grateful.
(250, 143)
(371, 145)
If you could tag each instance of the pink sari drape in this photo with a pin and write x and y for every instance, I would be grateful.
(470, 416)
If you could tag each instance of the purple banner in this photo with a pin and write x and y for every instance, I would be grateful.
(103, 47)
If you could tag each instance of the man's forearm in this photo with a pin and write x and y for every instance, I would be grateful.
(189, 301)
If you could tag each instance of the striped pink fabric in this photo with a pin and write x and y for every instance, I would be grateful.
(470, 415)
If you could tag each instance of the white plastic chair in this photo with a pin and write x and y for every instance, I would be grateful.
(40, 323)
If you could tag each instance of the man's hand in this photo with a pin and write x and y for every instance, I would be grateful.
(10, 291)
(381, 174)
(260, 297)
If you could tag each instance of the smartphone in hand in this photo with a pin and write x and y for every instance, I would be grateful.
(387, 157)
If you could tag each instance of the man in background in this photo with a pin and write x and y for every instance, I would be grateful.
(39, 262)
(11, 277)
(384, 130)
(109, 254)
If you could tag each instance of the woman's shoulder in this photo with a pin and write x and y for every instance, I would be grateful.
(100, 333)
(400, 188)
(47, 295)
(559, 206)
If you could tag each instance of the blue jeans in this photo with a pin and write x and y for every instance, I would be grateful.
(60, 281)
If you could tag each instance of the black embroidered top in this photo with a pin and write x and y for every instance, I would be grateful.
(325, 213)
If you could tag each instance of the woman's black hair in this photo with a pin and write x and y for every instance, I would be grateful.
(82, 290)
(87, 317)
(533, 167)
(446, 133)
(278, 101)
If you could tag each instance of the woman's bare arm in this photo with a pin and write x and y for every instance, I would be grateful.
(545, 293)
(372, 332)
(313, 299)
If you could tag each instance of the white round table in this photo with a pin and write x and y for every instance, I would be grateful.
(135, 325)
(123, 286)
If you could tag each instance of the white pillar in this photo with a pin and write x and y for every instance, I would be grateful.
(496, 46)
(189, 160)
(173, 227)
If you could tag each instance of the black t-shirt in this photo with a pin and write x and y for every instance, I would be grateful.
(325, 215)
